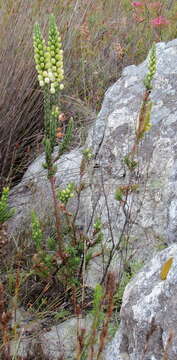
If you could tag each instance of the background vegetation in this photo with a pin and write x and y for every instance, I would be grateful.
(99, 39)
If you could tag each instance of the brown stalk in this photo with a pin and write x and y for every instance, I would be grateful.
(5, 317)
(109, 297)
(168, 344)
(57, 218)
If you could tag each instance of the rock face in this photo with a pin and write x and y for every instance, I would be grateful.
(58, 343)
(34, 193)
(148, 328)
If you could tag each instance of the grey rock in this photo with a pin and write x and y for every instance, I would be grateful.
(34, 193)
(148, 327)
(60, 341)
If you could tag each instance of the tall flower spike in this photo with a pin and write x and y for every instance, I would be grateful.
(56, 55)
(49, 60)
(151, 67)
(39, 55)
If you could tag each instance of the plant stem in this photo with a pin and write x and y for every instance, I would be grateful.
(57, 217)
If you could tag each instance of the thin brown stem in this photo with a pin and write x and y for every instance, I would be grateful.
(57, 218)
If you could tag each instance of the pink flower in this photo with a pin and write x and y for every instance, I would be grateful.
(159, 21)
(137, 4)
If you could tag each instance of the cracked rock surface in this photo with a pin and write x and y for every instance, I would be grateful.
(148, 327)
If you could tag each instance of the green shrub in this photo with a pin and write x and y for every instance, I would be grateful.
(5, 211)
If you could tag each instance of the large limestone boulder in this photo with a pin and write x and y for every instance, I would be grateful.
(148, 327)
(152, 209)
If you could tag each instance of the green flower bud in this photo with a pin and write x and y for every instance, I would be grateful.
(36, 58)
(48, 65)
(55, 84)
(45, 74)
(152, 68)
(47, 55)
(53, 61)
(52, 90)
(58, 64)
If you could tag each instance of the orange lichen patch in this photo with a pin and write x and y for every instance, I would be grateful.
(166, 268)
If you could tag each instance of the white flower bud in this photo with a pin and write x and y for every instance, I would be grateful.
(51, 75)
(41, 83)
(47, 80)
(40, 77)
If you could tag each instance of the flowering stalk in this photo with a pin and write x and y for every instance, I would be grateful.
(152, 68)
(144, 123)
(55, 57)
(49, 59)
(49, 65)
(144, 118)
